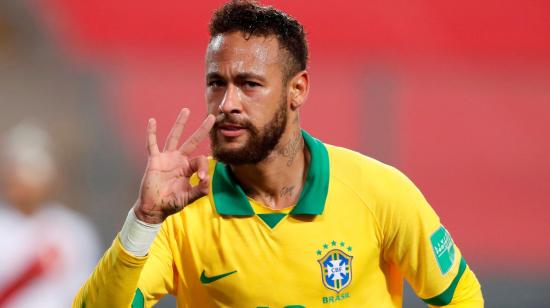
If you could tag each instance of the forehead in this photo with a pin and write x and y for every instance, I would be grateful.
(238, 53)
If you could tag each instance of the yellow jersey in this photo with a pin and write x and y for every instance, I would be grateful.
(359, 228)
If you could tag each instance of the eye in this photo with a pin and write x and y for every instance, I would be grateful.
(215, 83)
(251, 84)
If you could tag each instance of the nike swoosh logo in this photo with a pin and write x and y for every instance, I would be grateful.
(206, 280)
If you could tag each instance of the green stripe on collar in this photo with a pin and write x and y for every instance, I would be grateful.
(314, 194)
(272, 219)
(230, 199)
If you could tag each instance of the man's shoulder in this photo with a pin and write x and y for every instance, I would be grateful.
(365, 175)
(346, 162)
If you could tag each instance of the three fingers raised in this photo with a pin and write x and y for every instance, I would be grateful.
(175, 134)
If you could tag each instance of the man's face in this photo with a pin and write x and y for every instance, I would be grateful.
(245, 90)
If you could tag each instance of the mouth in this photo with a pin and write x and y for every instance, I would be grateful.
(231, 130)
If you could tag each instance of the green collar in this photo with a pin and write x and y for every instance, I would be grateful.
(230, 199)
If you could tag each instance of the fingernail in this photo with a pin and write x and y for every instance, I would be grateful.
(201, 175)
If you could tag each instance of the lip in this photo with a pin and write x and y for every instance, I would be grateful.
(229, 130)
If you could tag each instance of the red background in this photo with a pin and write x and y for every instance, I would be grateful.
(468, 86)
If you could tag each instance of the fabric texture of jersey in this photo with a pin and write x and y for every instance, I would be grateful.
(359, 228)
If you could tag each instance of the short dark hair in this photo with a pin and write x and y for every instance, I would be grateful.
(253, 19)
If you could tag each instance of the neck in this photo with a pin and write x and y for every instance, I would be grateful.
(277, 181)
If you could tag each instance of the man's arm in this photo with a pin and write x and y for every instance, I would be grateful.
(132, 270)
(121, 278)
(423, 250)
(114, 280)
(467, 292)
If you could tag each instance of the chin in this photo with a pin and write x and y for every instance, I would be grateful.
(232, 157)
(228, 148)
(231, 143)
(232, 148)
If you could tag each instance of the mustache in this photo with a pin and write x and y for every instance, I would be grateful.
(230, 119)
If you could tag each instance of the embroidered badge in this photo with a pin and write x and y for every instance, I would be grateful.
(336, 266)
(444, 249)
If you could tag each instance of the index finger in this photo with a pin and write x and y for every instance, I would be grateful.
(177, 129)
(198, 136)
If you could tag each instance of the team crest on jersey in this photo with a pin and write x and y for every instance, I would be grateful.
(336, 266)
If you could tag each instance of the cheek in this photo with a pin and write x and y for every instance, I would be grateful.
(264, 99)
(260, 115)
(212, 102)
(211, 108)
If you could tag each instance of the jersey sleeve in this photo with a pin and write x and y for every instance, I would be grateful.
(422, 248)
(157, 277)
(123, 280)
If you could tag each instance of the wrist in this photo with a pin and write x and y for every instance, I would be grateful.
(147, 216)
(137, 236)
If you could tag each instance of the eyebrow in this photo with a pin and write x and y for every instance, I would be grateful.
(213, 75)
(240, 76)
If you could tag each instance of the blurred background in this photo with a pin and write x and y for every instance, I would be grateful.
(455, 94)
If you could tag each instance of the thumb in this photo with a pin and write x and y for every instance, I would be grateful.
(199, 165)
(200, 190)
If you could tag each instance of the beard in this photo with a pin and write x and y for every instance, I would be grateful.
(260, 143)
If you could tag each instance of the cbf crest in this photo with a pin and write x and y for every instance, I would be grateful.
(336, 266)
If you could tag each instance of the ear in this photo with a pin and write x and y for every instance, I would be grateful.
(298, 89)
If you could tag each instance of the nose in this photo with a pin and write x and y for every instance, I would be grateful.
(231, 101)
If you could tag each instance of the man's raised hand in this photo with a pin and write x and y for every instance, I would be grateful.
(165, 188)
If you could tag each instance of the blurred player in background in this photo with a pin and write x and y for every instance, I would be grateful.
(277, 218)
(47, 250)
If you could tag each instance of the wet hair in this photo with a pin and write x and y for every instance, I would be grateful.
(251, 19)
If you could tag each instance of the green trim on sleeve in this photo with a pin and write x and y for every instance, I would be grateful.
(447, 296)
(139, 300)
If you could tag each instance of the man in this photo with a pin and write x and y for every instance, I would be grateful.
(47, 249)
(277, 218)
